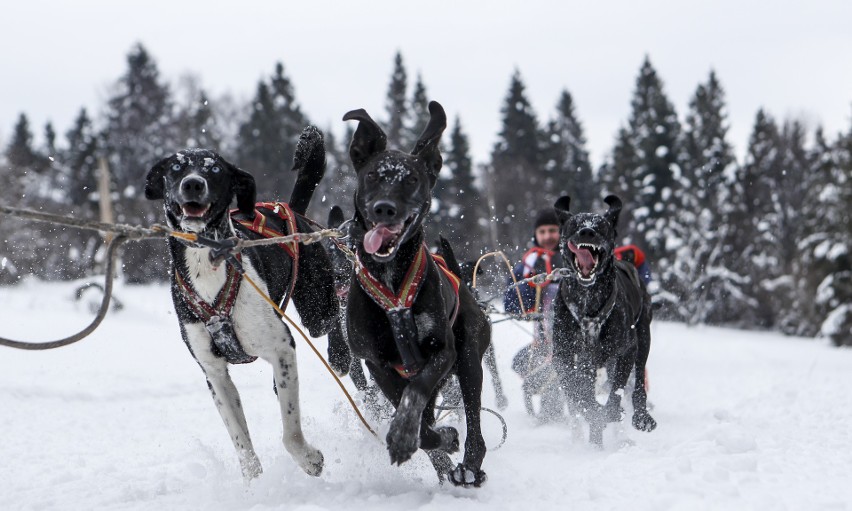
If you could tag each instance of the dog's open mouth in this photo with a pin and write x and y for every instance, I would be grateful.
(383, 239)
(586, 258)
(193, 210)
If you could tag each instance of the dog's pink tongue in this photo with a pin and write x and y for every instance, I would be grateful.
(375, 237)
(584, 258)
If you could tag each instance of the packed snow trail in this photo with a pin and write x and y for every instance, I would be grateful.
(123, 420)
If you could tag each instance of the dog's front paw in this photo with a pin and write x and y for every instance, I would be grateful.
(449, 439)
(613, 413)
(340, 361)
(469, 477)
(313, 462)
(644, 422)
(401, 444)
(310, 150)
(502, 402)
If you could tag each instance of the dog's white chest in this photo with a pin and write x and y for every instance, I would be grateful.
(254, 320)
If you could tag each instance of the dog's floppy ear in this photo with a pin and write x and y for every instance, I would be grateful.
(614, 210)
(155, 187)
(242, 185)
(368, 139)
(427, 147)
(335, 216)
(562, 205)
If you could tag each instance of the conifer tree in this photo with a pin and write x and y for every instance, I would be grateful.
(462, 206)
(753, 245)
(397, 106)
(644, 172)
(20, 154)
(831, 251)
(707, 159)
(140, 129)
(80, 165)
(516, 169)
(419, 113)
(196, 120)
(268, 138)
(567, 167)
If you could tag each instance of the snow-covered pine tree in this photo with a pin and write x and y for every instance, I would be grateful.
(830, 252)
(267, 139)
(789, 201)
(462, 207)
(78, 168)
(707, 161)
(646, 168)
(752, 245)
(196, 119)
(516, 173)
(397, 107)
(16, 177)
(419, 114)
(139, 130)
(567, 167)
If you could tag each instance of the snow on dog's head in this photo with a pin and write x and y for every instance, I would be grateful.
(587, 240)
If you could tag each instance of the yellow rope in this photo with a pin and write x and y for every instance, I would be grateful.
(316, 352)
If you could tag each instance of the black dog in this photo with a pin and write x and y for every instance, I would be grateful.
(339, 357)
(602, 318)
(404, 316)
(223, 322)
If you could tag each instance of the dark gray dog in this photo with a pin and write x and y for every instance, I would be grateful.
(602, 318)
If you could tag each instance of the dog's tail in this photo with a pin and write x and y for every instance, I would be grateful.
(309, 160)
(446, 251)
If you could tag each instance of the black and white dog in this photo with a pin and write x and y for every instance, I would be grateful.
(404, 315)
(223, 322)
(602, 318)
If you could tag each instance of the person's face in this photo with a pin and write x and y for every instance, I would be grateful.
(547, 236)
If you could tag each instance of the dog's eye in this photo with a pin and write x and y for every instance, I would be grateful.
(372, 176)
(215, 169)
(411, 179)
(176, 167)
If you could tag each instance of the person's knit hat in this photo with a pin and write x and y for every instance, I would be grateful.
(546, 217)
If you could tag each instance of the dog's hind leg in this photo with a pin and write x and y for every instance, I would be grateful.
(642, 420)
(286, 375)
(469, 472)
(491, 363)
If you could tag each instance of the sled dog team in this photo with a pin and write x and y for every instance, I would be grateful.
(406, 312)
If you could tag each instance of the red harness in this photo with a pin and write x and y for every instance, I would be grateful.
(395, 302)
(227, 296)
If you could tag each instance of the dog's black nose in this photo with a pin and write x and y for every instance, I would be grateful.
(193, 187)
(384, 210)
(586, 233)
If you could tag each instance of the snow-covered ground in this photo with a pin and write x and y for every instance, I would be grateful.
(123, 420)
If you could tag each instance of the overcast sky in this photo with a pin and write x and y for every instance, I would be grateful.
(792, 57)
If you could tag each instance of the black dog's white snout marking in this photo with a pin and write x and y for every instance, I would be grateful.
(385, 211)
(193, 188)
